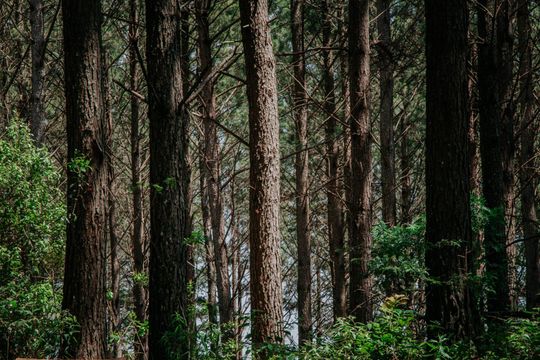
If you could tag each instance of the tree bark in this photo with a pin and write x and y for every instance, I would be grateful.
(302, 173)
(334, 189)
(211, 169)
(448, 214)
(386, 85)
(360, 302)
(264, 177)
(492, 83)
(405, 169)
(138, 243)
(169, 179)
(527, 162)
(38, 120)
(84, 277)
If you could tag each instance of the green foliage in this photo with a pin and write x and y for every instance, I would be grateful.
(398, 255)
(32, 238)
(32, 213)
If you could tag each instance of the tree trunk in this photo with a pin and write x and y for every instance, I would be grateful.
(492, 151)
(84, 277)
(264, 177)
(169, 179)
(360, 303)
(386, 71)
(138, 242)
(448, 212)
(527, 166)
(114, 266)
(211, 170)
(405, 168)
(302, 172)
(38, 121)
(334, 189)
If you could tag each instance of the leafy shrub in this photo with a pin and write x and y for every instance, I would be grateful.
(32, 228)
(398, 256)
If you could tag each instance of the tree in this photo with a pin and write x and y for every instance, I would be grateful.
(360, 303)
(138, 243)
(169, 179)
(302, 171)
(334, 189)
(38, 121)
(264, 174)
(493, 85)
(386, 85)
(449, 302)
(84, 277)
(210, 169)
(527, 159)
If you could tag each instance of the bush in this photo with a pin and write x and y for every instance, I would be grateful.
(32, 238)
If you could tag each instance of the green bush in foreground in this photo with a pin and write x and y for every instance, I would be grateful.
(32, 238)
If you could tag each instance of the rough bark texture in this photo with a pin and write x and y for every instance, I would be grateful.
(346, 114)
(386, 85)
(84, 277)
(211, 168)
(38, 121)
(302, 172)
(113, 282)
(334, 188)
(527, 162)
(360, 302)
(493, 147)
(169, 179)
(265, 262)
(138, 242)
(448, 213)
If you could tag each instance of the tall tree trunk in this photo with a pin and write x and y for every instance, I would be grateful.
(448, 214)
(84, 277)
(360, 302)
(334, 189)
(405, 169)
(386, 71)
(302, 172)
(505, 60)
(493, 151)
(527, 166)
(38, 120)
(264, 176)
(169, 179)
(211, 169)
(346, 115)
(114, 266)
(138, 242)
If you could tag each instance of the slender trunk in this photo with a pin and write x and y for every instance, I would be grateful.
(302, 172)
(169, 179)
(360, 302)
(405, 168)
(84, 277)
(211, 300)
(386, 71)
(527, 166)
(38, 121)
(505, 60)
(211, 169)
(333, 186)
(493, 153)
(138, 242)
(114, 286)
(448, 214)
(265, 262)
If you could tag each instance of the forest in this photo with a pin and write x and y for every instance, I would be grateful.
(269, 179)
